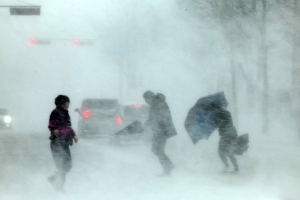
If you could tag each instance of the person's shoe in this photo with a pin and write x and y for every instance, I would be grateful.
(53, 182)
(225, 170)
(51, 179)
(236, 170)
(165, 174)
(172, 167)
(61, 190)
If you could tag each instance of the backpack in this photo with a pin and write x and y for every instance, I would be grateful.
(242, 144)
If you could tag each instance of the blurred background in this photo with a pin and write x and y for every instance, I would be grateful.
(185, 49)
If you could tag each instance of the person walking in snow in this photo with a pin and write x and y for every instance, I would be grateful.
(228, 135)
(160, 122)
(62, 136)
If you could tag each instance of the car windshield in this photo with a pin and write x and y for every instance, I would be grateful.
(104, 104)
(3, 112)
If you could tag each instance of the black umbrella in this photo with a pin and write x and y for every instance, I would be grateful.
(200, 119)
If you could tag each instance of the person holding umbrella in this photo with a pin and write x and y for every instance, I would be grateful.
(161, 124)
(228, 133)
(208, 114)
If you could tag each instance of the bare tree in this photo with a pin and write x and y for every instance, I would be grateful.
(264, 67)
(289, 12)
(230, 15)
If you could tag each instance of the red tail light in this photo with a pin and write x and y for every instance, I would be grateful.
(138, 105)
(86, 114)
(119, 121)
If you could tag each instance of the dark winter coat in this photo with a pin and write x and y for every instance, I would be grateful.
(160, 118)
(224, 123)
(60, 120)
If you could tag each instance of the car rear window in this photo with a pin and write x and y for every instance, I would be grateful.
(104, 104)
(3, 111)
(131, 111)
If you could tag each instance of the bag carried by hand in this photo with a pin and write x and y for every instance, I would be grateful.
(242, 144)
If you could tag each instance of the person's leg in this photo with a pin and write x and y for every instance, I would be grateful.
(222, 151)
(66, 159)
(232, 147)
(222, 156)
(156, 149)
(164, 160)
(55, 178)
(234, 162)
(66, 163)
(63, 162)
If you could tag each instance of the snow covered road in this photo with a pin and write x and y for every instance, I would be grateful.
(102, 171)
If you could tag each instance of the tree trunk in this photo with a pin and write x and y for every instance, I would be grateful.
(233, 85)
(295, 71)
(254, 6)
(295, 66)
(265, 103)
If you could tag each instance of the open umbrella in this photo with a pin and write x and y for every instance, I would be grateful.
(201, 117)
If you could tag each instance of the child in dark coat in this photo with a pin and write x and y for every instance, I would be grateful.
(62, 136)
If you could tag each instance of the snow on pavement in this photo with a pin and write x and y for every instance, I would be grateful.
(103, 171)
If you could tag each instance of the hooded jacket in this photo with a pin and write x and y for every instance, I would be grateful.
(160, 118)
(60, 120)
(225, 124)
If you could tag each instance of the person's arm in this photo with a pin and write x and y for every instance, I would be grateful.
(148, 122)
(75, 138)
(56, 132)
(53, 127)
(165, 120)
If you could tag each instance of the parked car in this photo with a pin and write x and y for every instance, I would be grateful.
(134, 118)
(99, 117)
(5, 119)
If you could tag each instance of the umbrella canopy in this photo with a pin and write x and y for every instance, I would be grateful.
(200, 119)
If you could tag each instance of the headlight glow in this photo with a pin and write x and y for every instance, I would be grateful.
(7, 119)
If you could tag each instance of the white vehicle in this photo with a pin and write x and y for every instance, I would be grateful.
(100, 117)
(5, 119)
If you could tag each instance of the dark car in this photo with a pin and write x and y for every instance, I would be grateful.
(134, 117)
(5, 119)
(99, 117)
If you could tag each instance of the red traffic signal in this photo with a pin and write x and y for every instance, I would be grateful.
(34, 41)
(75, 42)
(82, 42)
(24, 10)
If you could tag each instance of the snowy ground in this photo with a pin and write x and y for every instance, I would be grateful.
(102, 171)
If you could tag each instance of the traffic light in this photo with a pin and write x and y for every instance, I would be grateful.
(39, 41)
(75, 42)
(34, 41)
(82, 42)
(25, 10)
